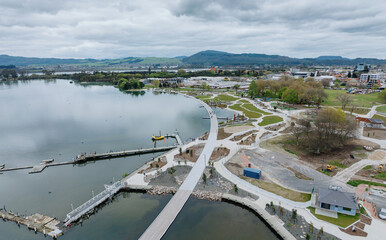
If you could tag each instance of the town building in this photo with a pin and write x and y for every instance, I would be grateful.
(333, 199)
(371, 79)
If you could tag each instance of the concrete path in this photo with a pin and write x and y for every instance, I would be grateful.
(163, 221)
(345, 175)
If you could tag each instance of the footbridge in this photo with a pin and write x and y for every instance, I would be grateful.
(108, 193)
(163, 221)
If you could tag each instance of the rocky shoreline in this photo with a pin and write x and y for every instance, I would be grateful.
(207, 195)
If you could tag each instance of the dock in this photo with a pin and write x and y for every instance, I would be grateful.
(108, 193)
(91, 157)
(177, 137)
(108, 155)
(37, 222)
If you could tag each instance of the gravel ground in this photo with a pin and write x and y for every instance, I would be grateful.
(215, 182)
(299, 228)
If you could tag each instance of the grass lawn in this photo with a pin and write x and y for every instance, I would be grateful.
(237, 107)
(252, 108)
(356, 183)
(381, 176)
(381, 109)
(246, 112)
(203, 96)
(380, 117)
(270, 120)
(279, 190)
(244, 101)
(343, 220)
(362, 100)
(225, 98)
(337, 163)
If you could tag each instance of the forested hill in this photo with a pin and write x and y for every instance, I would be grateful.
(32, 61)
(204, 59)
(216, 58)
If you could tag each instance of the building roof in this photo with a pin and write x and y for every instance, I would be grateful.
(377, 121)
(336, 197)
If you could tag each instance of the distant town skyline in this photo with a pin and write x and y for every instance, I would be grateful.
(117, 29)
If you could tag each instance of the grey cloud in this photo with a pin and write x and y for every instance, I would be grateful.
(119, 28)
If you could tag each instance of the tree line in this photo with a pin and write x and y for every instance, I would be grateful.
(289, 89)
(331, 128)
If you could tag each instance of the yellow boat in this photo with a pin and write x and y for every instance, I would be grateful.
(159, 137)
(156, 138)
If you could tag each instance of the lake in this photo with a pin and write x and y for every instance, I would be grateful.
(55, 119)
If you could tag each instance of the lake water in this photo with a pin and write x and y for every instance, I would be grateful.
(55, 119)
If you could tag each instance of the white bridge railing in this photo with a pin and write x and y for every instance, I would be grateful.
(110, 191)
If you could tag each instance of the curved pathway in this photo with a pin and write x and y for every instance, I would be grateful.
(163, 221)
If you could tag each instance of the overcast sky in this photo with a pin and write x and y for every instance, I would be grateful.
(122, 28)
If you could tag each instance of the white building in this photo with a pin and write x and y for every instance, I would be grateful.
(372, 79)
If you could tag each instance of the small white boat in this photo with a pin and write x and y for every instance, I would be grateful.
(2, 166)
(48, 161)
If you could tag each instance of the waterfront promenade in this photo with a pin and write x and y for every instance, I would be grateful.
(163, 221)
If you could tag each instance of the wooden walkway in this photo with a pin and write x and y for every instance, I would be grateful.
(90, 157)
(163, 221)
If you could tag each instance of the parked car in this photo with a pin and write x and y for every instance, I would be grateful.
(382, 214)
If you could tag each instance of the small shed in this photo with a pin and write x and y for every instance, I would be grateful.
(375, 123)
(251, 172)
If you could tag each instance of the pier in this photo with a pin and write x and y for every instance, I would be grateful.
(37, 222)
(108, 155)
(83, 158)
(108, 193)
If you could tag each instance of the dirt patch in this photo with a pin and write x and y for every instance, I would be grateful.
(236, 129)
(265, 134)
(279, 190)
(377, 155)
(366, 220)
(191, 154)
(248, 141)
(363, 142)
(222, 134)
(376, 133)
(358, 232)
(286, 130)
(371, 173)
(275, 127)
(204, 137)
(340, 158)
(156, 164)
(360, 225)
(239, 137)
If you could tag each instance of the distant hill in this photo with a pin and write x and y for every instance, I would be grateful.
(32, 61)
(204, 58)
(217, 58)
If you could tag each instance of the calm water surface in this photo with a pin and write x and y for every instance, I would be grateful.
(55, 119)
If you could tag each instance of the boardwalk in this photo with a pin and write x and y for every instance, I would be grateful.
(108, 155)
(109, 192)
(93, 157)
(163, 221)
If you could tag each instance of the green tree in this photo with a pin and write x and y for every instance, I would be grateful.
(204, 177)
(156, 83)
(382, 96)
(290, 96)
(252, 92)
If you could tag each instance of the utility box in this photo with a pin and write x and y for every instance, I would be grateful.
(253, 173)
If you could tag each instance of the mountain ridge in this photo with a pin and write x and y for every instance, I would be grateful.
(203, 58)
